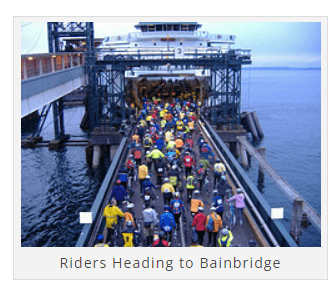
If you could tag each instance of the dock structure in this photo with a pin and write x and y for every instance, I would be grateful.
(299, 204)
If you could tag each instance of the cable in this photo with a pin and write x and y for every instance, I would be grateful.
(38, 38)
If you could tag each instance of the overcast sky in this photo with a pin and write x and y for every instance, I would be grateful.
(287, 44)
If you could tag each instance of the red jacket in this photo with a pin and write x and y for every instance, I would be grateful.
(188, 161)
(199, 221)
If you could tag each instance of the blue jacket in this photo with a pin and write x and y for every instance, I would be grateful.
(176, 206)
(147, 184)
(217, 201)
(123, 174)
(119, 193)
(160, 144)
(167, 222)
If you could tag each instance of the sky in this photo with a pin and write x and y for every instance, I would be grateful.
(272, 44)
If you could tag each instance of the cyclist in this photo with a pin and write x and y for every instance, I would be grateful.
(167, 191)
(177, 206)
(123, 176)
(167, 222)
(149, 161)
(190, 185)
(100, 241)
(174, 177)
(142, 172)
(129, 214)
(195, 203)
(240, 204)
(128, 235)
(223, 186)
(225, 238)
(199, 224)
(201, 173)
(160, 167)
(219, 170)
(137, 154)
(171, 143)
(119, 193)
(150, 220)
(194, 241)
(147, 143)
(206, 151)
(155, 154)
(111, 213)
(189, 162)
(217, 202)
(179, 143)
(148, 184)
(160, 144)
(213, 228)
(148, 196)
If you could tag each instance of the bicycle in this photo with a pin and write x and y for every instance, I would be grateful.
(230, 211)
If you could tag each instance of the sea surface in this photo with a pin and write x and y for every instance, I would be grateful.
(57, 185)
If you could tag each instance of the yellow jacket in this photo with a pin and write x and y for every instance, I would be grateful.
(143, 170)
(155, 154)
(167, 186)
(111, 214)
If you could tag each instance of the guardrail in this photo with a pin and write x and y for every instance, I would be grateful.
(85, 238)
(276, 227)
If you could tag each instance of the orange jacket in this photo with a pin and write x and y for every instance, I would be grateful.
(195, 204)
(179, 142)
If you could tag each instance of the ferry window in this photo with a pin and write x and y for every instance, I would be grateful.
(154, 43)
(159, 28)
(151, 28)
(181, 43)
(169, 27)
(200, 44)
(184, 28)
(192, 27)
(143, 28)
(176, 27)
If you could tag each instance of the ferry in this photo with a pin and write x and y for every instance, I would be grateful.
(178, 40)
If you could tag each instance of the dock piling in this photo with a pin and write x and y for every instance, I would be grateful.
(295, 230)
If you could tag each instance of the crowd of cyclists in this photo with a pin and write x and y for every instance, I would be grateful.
(168, 160)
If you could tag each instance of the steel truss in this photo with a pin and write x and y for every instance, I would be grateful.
(107, 85)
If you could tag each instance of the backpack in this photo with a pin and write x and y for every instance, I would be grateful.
(210, 225)
(137, 154)
(147, 143)
(173, 180)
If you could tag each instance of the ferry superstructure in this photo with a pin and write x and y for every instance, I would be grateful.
(166, 39)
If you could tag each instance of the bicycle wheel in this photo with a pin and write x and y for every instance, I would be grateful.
(227, 211)
(233, 220)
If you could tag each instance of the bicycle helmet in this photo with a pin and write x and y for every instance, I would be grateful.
(225, 232)
(200, 208)
(239, 190)
(214, 191)
(100, 238)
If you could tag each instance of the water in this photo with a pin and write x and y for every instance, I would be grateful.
(57, 185)
(288, 104)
